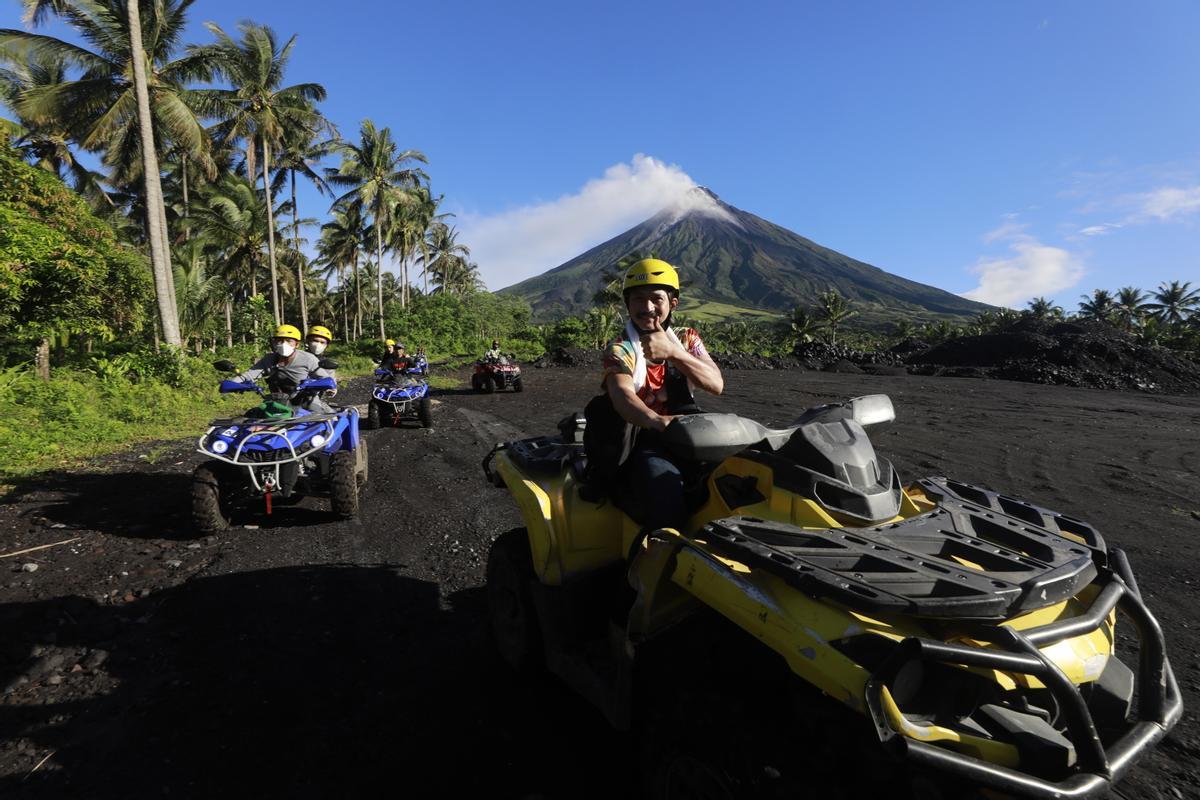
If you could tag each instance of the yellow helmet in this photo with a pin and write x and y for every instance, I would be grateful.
(322, 331)
(651, 272)
(287, 332)
(390, 342)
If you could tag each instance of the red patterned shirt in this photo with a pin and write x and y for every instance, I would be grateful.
(620, 358)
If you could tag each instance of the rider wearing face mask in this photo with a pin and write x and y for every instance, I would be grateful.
(286, 366)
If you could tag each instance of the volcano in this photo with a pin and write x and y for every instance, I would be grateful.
(735, 264)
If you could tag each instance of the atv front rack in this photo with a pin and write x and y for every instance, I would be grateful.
(242, 458)
(1098, 768)
(959, 561)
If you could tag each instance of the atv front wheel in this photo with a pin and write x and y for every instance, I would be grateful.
(425, 412)
(511, 613)
(516, 384)
(372, 416)
(343, 483)
(207, 513)
(490, 382)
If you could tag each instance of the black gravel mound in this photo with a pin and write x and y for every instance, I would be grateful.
(568, 357)
(1087, 354)
(753, 361)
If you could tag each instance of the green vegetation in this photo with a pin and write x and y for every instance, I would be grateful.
(712, 311)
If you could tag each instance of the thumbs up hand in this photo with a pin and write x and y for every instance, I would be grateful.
(656, 345)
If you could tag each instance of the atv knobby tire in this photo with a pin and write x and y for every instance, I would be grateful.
(208, 515)
(372, 415)
(425, 412)
(343, 483)
(490, 382)
(511, 614)
(516, 385)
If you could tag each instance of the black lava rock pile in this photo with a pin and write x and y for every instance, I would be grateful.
(568, 357)
(1087, 354)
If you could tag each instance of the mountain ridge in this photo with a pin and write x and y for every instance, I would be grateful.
(732, 257)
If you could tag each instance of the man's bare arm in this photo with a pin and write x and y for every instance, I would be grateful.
(630, 406)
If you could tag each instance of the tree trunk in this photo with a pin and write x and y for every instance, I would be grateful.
(379, 274)
(357, 299)
(183, 170)
(404, 287)
(155, 212)
(299, 258)
(271, 231)
(41, 359)
(228, 322)
(345, 301)
(251, 161)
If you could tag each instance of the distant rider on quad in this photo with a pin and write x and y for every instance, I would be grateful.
(388, 349)
(398, 361)
(286, 367)
(317, 340)
(493, 356)
(649, 372)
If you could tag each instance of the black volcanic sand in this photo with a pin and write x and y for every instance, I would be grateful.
(312, 658)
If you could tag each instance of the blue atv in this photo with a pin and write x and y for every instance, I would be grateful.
(278, 448)
(400, 396)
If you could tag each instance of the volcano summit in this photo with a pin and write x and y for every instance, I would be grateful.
(732, 262)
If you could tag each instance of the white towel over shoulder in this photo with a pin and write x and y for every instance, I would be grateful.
(639, 365)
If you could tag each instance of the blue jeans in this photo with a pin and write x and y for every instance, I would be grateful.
(655, 486)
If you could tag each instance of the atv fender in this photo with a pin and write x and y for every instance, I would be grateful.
(569, 537)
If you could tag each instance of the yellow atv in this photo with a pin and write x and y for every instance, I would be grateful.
(970, 634)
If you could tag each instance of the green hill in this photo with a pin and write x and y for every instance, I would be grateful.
(730, 261)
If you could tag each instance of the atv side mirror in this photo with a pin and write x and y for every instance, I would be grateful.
(871, 409)
(225, 365)
(327, 363)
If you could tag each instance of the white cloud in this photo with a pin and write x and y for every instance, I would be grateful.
(1032, 269)
(1167, 203)
(1164, 204)
(1101, 229)
(513, 245)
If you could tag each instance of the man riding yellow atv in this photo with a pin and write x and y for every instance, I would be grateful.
(971, 634)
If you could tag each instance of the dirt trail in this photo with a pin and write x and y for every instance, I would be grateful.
(312, 658)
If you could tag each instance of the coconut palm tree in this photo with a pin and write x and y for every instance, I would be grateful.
(411, 221)
(833, 309)
(446, 258)
(376, 175)
(339, 245)
(299, 154)
(46, 143)
(1041, 308)
(1173, 302)
(1100, 306)
(258, 109)
(232, 218)
(1130, 307)
(198, 293)
(125, 102)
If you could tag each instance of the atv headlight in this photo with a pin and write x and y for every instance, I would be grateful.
(318, 440)
(219, 446)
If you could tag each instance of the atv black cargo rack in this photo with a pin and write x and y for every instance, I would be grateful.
(1098, 768)
(963, 560)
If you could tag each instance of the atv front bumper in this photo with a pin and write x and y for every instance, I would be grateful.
(1159, 703)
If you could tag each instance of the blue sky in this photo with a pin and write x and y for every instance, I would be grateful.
(1001, 150)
